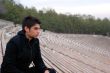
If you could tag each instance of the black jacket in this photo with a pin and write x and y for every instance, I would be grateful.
(20, 52)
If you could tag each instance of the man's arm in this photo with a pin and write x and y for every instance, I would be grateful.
(9, 60)
(38, 61)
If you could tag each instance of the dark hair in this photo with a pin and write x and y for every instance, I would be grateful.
(30, 21)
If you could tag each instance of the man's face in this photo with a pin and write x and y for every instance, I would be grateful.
(34, 31)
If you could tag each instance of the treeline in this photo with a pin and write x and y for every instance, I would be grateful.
(61, 23)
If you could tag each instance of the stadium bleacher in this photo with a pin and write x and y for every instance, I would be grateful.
(68, 53)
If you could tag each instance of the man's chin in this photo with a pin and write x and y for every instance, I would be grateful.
(36, 37)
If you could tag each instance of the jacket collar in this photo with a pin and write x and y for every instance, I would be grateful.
(22, 33)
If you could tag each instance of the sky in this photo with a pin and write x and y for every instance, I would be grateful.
(97, 8)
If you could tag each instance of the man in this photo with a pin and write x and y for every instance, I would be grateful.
(23, 49)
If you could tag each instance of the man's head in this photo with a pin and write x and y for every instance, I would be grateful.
(31, 26)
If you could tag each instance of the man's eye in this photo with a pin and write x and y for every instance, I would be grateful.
(37, 28)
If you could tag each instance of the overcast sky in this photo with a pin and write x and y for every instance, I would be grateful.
(97, 8)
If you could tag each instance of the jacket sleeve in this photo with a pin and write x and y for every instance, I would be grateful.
(9, 60)
(38, 61)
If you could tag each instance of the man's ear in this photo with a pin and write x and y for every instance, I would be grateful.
(26, 29)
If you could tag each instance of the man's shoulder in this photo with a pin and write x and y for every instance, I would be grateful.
(36, 41)
(15, 39)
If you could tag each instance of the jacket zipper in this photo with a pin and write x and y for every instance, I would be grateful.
(31, 53)
(30, 48)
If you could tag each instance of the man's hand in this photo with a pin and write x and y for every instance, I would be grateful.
(46, 71)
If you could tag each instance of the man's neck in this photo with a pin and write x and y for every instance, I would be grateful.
(27, 36)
